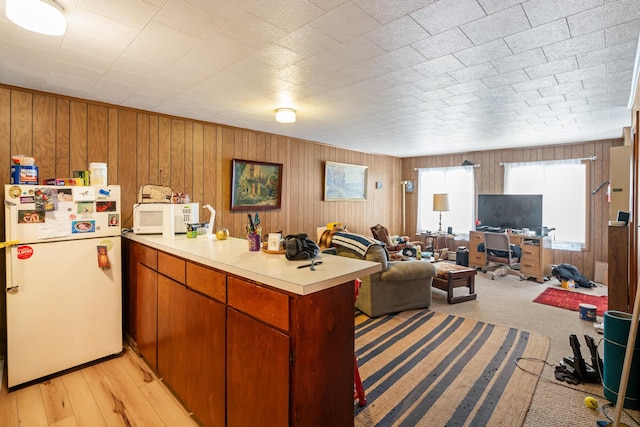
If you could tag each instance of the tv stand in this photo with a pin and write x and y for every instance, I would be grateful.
(536, 254)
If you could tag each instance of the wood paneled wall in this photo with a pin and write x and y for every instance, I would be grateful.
(66, 134)
(490, 179)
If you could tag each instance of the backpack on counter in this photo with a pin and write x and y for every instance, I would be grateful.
(300, 246)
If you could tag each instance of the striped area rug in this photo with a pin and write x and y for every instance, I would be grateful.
(424, 368)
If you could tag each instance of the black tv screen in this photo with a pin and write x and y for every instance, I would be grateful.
(516, 211)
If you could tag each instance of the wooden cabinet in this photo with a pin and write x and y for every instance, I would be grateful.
(129, 289)
(237, 352)
(146, 303)
(147, 315)
(268, 369)
(619, 297)
(536, 256)
(191, 349)
(266, 401)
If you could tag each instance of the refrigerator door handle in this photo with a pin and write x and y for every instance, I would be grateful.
(11, 214)
(11, 220)
(11, 279)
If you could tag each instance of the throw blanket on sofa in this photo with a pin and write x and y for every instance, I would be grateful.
(355, 242)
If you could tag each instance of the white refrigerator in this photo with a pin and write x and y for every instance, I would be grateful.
(63, 278)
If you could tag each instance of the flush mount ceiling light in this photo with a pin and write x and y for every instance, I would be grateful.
(285, 115)
(40, 16)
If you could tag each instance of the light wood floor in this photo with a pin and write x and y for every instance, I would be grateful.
(118, 392)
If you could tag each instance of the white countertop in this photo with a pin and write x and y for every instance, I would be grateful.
(233, 256)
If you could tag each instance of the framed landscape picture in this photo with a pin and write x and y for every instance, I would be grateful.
(345, 182)
(255, 185)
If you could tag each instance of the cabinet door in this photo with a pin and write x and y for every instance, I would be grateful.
(191, 349)
(257, 373)
(129, 289)
(146, 313)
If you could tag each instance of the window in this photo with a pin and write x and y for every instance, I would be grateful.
(458, 182)
(562, 184)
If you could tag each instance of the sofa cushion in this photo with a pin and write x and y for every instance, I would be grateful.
(407, 270)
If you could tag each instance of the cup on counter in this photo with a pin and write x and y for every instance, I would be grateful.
(254, 242)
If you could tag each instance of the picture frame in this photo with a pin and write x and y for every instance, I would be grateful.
(255, 185)
(346, 182)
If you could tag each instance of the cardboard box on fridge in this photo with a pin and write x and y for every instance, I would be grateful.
(64, 181)
(24, 175)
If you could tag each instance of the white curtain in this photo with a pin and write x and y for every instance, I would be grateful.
(562, 184)
(458, 182)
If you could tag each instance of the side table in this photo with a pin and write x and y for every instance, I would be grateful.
(450, 276)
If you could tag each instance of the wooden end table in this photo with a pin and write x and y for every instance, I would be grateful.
(450, 276)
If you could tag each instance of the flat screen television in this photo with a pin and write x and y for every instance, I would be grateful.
(516, 211)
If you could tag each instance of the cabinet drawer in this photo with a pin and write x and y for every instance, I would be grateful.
(207, 281)
(269, 306)
(147, 256)
(475, 239)
(531, 266)
(171, 266)
(530, 252)
(477, 258)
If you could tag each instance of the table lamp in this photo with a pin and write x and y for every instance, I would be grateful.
(440, 204)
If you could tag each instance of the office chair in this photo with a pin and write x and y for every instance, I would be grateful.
(500, 256)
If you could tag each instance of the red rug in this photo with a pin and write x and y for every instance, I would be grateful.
(571, 300)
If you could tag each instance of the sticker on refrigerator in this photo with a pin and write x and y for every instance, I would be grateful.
(25, 200)
(64, 195)
(30, 217)
(114, 220)
(83, 226)
(84, 194)
(106, 206)
(24, 252)
(103, 257)
(46, 199)
(85, 209)
(14, 192)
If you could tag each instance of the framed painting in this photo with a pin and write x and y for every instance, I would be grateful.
(255, 185)
(345, 182)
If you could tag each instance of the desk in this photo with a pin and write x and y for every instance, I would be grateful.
(536, 254)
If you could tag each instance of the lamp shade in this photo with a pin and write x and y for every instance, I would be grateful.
(441, 202)
(40, 16)
(285, 115)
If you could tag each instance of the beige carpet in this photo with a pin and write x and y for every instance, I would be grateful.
(423, 368)
(508, 301)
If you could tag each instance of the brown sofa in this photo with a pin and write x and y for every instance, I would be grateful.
(401, 285)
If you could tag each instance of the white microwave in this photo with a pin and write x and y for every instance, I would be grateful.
(148, 218)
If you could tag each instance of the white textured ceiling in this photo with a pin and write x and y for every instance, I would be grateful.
(396, 77)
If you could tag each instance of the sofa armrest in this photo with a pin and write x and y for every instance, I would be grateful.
(407, 270)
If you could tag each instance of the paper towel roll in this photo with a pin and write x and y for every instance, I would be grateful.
(168, 222)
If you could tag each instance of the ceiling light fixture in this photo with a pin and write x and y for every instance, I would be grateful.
(40, 16)
(285, 115)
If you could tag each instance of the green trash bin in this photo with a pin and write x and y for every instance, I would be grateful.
(616, 333)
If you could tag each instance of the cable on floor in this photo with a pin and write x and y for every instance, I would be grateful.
(608, 405)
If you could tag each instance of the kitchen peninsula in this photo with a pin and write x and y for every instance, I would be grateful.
(244, 338)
